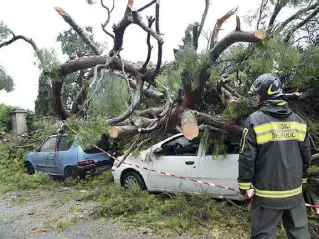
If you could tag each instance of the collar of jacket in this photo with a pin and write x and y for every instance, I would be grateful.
(275, 108)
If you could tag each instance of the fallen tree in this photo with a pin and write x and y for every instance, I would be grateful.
(221, 74)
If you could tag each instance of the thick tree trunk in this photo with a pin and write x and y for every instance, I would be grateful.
(57, 103)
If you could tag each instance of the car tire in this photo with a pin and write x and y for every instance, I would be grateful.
(131, 178)
(70, 172)
(29, 168)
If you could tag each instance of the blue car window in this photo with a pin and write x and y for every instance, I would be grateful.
(64, 145)
(49, 145)
(103, 143)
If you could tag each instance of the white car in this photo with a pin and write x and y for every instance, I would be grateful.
(182, 157)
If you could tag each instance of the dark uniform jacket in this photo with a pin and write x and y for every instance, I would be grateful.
(274, 155)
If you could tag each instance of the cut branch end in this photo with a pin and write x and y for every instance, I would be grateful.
(189, 125)
(61, 11)
(260, 34)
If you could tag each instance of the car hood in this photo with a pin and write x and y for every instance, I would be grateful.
(137, 158)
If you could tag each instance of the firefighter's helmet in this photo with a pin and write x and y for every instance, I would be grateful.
(268, 86)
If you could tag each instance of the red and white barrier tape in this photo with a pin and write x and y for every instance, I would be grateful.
(312, 206)
(176, 176)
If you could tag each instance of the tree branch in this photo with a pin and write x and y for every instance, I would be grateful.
(300, 24)
(296, 15)
(218, 25)
(261, 9)
(91, 61)
(149, 92)
(146, 6)
(130, 110)
(148, 41)
(79, 99)
(201, 26)
(233, 37)
(140, 145)
(78, 29)
(151, 112)
(237, 24)
(120, 131)
(218, 122)
(168, 104)
(127, 153)
(57, 102)
(160, 43)
(28, 40)
(137, 21)
(279, 5)
(108, 18)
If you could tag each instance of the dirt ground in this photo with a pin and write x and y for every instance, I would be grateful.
(53, 215)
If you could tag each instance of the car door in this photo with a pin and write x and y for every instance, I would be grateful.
(178, 156)
(45, 154)
(65, 155)
(219, 167)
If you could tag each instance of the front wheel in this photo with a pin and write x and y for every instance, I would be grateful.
(29, 168)
(133, 178)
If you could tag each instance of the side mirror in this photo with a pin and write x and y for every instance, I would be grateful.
(158, 151)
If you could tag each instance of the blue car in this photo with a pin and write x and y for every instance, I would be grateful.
(57, 157)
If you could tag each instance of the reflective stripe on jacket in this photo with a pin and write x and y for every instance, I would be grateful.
(274, 155)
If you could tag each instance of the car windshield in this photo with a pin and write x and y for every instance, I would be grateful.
(181, 146)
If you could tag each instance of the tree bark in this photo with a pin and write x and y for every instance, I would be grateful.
(233, 37)
(58, 105)
(218, 122)
(128, 130)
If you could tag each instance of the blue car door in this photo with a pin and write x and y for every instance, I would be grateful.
(66, 155)
(43, 156)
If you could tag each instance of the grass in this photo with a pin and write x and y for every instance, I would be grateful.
(313, 169)
(63, 225)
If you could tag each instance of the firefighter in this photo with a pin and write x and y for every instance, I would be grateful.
(273, 160)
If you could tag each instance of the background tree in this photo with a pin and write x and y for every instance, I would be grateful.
(73, 46)
(6, 82)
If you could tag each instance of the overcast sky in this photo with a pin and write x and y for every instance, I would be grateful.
(37, 19)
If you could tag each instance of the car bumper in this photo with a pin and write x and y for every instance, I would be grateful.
(116, 173)
(107, 164)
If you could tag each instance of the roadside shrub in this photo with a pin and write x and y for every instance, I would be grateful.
(5, 118)
(12, 156)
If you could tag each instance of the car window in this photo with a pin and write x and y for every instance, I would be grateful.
(221, 147)
(104, 144)
(49, 145)
(63, 144)
(181, 146)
